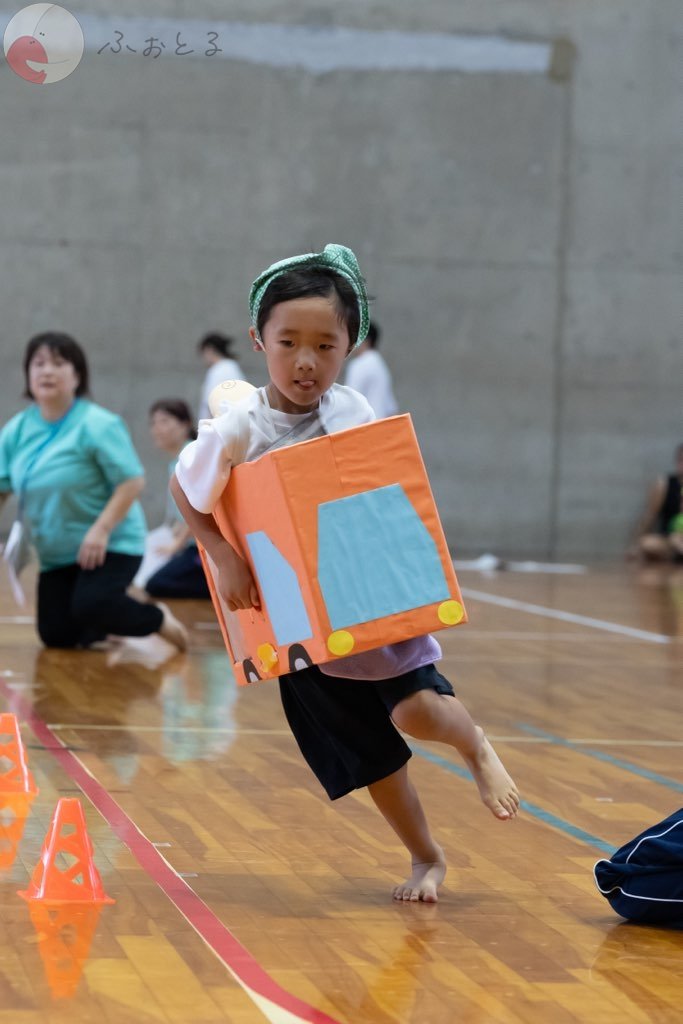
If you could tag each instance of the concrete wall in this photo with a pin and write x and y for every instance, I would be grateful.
(521, 232)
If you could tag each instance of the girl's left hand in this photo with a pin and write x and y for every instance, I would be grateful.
(93, 549)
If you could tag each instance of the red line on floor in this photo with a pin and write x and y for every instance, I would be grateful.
(215, 934)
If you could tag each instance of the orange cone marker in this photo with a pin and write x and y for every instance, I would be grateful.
(78, 883)
(14, 774)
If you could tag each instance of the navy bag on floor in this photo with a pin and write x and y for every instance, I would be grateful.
(643, 880)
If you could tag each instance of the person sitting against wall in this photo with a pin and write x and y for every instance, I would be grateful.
(660, 533)
(181, 573)
(218, 357)
(77, 478)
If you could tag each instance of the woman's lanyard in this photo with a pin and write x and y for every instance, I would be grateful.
(54, 430)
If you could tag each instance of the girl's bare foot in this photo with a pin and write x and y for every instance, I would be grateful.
(172, 629)
(424, 882)
(496, 788)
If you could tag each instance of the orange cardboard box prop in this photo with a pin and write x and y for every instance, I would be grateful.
(345, 543)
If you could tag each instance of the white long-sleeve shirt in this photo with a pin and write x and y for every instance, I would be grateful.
(369, 374)
(250, 428)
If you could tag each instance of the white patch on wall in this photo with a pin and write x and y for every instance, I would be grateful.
(316, 50)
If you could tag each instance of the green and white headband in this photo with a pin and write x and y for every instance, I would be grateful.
(338, 258)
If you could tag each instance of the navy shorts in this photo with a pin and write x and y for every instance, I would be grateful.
(344, 727)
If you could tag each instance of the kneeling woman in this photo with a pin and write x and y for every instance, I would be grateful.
(76, 475)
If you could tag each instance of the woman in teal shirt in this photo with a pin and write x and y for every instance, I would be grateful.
(77, 478)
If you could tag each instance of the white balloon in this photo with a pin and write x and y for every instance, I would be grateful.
(228, 393)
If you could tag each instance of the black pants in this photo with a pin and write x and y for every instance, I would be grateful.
(78, 606)
(182, 576)
(344, 727)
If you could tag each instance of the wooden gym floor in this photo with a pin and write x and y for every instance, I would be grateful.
(243, 896)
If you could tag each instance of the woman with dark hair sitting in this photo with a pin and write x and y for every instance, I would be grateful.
(660, 534)
(172, 427)
(77, 477)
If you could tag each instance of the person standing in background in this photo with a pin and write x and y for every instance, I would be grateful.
(368, 373)
(218, 357)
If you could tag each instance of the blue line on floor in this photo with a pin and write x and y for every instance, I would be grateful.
(600, 755)
(537, 812)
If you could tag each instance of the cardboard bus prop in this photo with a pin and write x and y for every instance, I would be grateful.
(346, 547)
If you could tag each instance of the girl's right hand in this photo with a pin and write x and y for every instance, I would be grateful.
(236, 583)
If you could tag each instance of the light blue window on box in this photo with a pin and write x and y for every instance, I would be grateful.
(376, 557)
(280, 589)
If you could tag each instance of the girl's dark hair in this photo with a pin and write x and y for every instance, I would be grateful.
(65, 346)
(312, 282)
(179, 409)
(220, 343)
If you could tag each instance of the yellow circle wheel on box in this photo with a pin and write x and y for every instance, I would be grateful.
(268, 656)
(340, 642)
(450, 613)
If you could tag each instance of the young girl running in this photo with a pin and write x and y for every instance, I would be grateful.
(308, 312)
